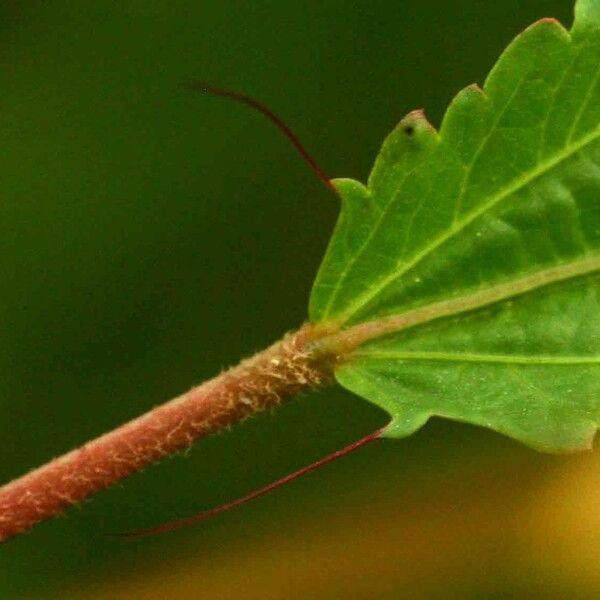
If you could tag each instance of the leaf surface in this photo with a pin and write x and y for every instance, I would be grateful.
(464, 278)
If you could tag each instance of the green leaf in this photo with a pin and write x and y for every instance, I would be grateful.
(464, 280)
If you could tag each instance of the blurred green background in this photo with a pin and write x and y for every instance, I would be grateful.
(151, 236)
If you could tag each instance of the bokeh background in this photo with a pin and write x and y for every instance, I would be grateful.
(150, 236)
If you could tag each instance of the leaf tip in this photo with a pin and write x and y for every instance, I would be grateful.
(351, 190)
(550, 23)
(474, 92)
(415, 123)
(476, 88)
(467, 103)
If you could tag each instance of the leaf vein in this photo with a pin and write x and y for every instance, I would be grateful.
(461, 357)
(490, 203)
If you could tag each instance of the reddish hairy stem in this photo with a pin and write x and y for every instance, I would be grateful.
(265, 380)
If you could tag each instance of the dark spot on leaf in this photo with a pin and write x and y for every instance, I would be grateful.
(409, 130)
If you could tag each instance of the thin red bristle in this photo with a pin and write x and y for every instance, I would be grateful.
(207, 514)
(277, 121)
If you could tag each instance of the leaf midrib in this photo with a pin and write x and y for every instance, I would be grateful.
(487, 205)
(533, 360)
(347, 341)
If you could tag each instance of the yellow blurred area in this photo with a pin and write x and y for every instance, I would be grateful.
(525, 527)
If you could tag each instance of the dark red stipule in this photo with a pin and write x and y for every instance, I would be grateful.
(276, 120)
(212, 512)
